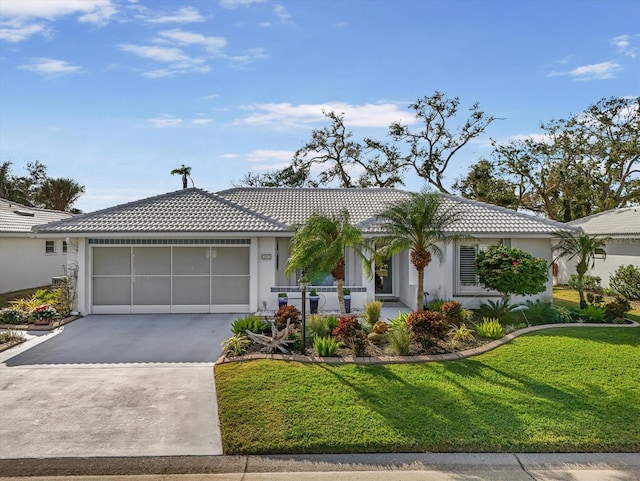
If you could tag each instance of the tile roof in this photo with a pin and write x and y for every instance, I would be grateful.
(17, 218)
(616, 222)
(277, 209)
(187, 210)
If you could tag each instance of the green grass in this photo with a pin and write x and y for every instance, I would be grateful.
(562, 390)
(565, 297)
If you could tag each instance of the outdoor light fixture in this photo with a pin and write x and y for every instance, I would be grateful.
(303, 285)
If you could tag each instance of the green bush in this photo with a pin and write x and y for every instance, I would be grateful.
(540, 312)
(426, 327)
(625, 281)
(565, 314)
(511, 271)
(12, 316)
(235, 345)
(325, 346)
(372, 312)
(490, 329)
(589, 283)
(503, 311)
(435, 305)
(399, 320)
(320, 326)
(617, 309)
(399, 339)
(593, 314)
(249, 323)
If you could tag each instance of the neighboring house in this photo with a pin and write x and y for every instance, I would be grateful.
(195, 251)
(622, 226)
(25, 261)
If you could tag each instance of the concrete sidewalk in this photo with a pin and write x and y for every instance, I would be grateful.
(352, 467)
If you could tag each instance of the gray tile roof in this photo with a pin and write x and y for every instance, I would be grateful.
(246, 210)
(617, 222)
(187, 210)
(19, 219)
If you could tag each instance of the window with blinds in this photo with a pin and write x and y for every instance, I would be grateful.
(468, 276)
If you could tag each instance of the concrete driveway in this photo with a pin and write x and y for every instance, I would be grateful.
(125, 385)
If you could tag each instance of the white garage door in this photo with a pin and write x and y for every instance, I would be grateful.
(151, 278)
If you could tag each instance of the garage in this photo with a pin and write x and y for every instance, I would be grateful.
(169, 275)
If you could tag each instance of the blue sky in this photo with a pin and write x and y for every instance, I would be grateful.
(116, 93)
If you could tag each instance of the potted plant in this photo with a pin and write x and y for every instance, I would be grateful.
(347, 300)
(44, 314)
(313, 301)
(282, 299)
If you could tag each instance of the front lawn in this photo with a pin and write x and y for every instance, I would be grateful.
(561, 390)
(566, 297)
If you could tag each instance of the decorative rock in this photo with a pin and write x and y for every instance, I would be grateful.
(380, 327)
(376, 337)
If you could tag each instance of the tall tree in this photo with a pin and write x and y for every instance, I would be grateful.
(185, 172)
(580, 166)
(338, 158)
(420, 225)
(584, 248)
(431, 148)
(58, 194)
(320, 244)
(482, 183)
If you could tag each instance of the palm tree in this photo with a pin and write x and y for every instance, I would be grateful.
(185, 172)
(58, 194)
(585, 249)
(418, 224)
(319, 246)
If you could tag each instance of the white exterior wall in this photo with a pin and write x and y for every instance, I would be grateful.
(24, 263)
(619, 252)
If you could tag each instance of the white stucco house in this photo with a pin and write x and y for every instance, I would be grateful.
(26, 261)
(622, 227)
(196, 251)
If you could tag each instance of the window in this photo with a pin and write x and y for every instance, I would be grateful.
(64, 247)
(50, 247)
(467, 280)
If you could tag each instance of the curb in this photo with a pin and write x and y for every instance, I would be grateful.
(452, 356)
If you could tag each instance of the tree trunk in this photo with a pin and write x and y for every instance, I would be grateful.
(339, 287)
(420, 293)
(581, 269)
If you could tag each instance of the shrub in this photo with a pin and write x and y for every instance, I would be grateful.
(249, 323)
(321, 326)
(589, 283)
(466, 314)
(235, 345)
(625, 281)
(617, 308)
(593, 314)
(565, 314)
(325, 346)
(511, 271)
(372, 312)
(400, 319)
(8, 336)
(350, 333)
(399, 339)
(44, 312)
(12, 316)
(434, 305)
(426, 327)
(490, 329)
(287, 313)
(506, 313)
(452, 312)
(461, 334)
(540, 312)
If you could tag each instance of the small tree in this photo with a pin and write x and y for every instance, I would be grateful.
(511, 271)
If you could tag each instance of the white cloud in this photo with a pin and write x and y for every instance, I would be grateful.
(21, 19)
(265, 155)
(597, 71)
(625, 46)
(179, 62)
(210, 96)
(239, 3)
(183, 15)
(229, 156)
(282, 13)
(201, 121)
(341, 24)
(249, 56)
(304, 115)
(213, 45)
(51, 67)
(165, 120)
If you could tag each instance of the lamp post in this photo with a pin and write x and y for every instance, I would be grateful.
(303, 284)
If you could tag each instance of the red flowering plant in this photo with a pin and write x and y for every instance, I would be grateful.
(45, 312)
(351, 334)
(426, 328)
